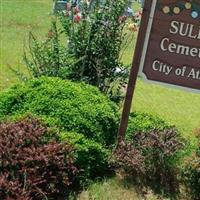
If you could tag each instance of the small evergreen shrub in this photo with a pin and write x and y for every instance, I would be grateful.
(90, 156)
(144, 122)
(31, 168)
(152, 159)
(67, 105)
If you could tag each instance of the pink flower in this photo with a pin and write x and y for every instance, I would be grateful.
(68, 6)
(76, 10)
(122, 19)
(77, 18)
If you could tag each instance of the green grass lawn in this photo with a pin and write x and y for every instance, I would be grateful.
(178, 107)
(115, 189)
(18, 17)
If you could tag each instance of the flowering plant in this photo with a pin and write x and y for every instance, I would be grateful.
(96, 38)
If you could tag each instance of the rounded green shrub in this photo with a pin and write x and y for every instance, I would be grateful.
(91, 157)
(144, 122)
(67, 105)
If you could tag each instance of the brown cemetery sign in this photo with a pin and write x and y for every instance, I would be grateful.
(167, 50)
(171, 50)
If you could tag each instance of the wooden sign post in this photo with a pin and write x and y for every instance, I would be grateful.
(167, 50)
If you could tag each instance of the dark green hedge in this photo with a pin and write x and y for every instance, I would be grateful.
(90, 156)
(70, 106)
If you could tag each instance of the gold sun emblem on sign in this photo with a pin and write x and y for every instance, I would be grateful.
(176, 10)
(166, 9)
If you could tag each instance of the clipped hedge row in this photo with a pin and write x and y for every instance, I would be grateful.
(70, 106)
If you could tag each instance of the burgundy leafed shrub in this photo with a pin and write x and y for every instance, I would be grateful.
(31, 168)
(130, 159)
(152, 158)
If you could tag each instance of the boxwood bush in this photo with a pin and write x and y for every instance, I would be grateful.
(91, 157)
(70, 106)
